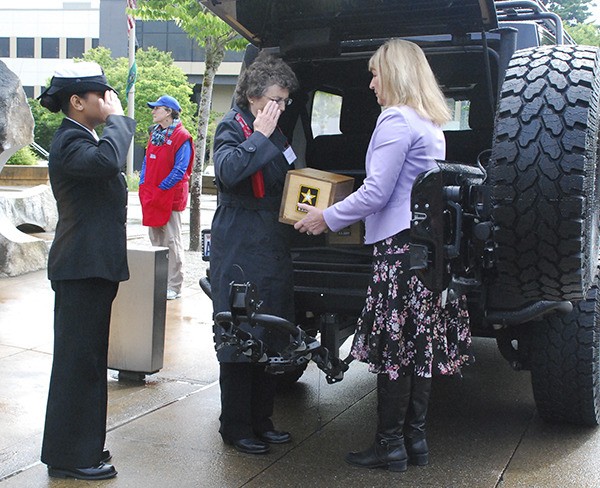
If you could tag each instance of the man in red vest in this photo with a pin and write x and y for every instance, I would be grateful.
(164, 184)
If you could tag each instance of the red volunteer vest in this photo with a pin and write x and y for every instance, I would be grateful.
(158, 204)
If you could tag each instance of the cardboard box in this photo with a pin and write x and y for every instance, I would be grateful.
(313, 187)
(352, 235)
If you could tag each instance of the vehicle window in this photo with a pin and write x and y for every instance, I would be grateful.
(459, 111)
(546, 37)
(327, 107)
(326, 110)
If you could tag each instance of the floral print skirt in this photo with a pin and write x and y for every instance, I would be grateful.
(405, 328)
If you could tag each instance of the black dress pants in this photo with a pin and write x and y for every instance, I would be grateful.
(247, 399)
(75, 428)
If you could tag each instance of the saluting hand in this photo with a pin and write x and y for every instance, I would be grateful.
(110, 104)
(266, 119)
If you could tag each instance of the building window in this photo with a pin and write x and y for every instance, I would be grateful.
(50, 47)
(75, 48)
(25, 47)
(151, 33)
(95, 43)
(154, 27)
(159, 41)
(198, 53)
(234, 56)
(459, 111)
(4, 47)
(180, 46)
(28, 91)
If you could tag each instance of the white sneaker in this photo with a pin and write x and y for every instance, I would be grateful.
(172, 295)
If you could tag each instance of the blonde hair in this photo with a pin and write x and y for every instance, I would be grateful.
(407, 79)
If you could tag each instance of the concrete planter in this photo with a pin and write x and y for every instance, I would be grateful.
(15, 175)
(208, 185)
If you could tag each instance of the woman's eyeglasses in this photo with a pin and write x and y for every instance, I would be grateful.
(286, 102)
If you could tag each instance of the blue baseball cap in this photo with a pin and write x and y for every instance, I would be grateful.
(166, 101)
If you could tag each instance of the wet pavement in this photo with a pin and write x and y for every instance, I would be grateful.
(483, 428)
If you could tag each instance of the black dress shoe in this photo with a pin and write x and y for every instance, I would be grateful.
(250, 446)
(106, 456)
(101, 472)
(275, 437)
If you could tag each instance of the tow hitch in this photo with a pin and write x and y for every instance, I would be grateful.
(302, 348)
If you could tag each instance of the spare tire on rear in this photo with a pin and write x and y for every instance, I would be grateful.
(544, 176)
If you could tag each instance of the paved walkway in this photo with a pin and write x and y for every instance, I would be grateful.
(483, 429)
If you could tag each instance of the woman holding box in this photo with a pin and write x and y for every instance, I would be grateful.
(405, 333)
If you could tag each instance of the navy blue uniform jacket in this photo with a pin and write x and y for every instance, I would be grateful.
(248, 243)
(91, 195)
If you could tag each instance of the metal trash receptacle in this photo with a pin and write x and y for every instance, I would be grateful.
(137, 329)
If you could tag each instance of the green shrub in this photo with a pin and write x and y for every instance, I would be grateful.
(133, 181)
(23, 157)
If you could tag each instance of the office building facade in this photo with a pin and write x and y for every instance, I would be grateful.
(38, 36)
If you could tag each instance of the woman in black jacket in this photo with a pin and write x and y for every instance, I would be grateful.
(87, 260)
(252, 157)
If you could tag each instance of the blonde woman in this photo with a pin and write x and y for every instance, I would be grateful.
(405, 333)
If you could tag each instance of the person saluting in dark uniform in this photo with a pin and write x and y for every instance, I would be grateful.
(252, 157)
(87, 260)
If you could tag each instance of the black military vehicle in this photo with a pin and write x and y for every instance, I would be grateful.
(510, 218)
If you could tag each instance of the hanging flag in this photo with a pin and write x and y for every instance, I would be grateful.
(131, 78)
(132, 4)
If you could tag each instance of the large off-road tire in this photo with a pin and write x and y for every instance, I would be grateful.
(544, 176)
(565, 362)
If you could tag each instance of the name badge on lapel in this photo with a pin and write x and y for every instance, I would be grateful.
(169, 142)
(289, 154)
(152, 156)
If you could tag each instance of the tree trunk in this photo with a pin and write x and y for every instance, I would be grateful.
(215, 52)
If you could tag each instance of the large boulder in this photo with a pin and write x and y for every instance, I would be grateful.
(16, 121)
(33, 207)
(19, 252)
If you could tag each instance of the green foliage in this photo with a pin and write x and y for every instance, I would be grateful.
(193, 18)
(23, 157)
(586, 34)
(46, 123)
(103, 57)
(133, 181)
(571, 11)
(157, 75)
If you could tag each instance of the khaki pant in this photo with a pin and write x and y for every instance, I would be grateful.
(169, 235)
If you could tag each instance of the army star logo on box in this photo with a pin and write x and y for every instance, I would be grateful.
(307, 195)
(313, 187)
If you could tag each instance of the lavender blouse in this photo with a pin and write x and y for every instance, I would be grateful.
(402, 146)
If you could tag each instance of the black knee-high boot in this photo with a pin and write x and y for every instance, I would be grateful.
(388, 451)
(414, 427)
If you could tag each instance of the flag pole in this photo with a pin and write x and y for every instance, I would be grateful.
(131, 94)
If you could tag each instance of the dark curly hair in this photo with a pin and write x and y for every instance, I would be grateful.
(265, 71)
(55, 104)
(61, 102)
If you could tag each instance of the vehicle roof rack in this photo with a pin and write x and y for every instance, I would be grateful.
(522, 10)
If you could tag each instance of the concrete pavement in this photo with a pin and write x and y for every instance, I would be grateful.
(483, 428)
